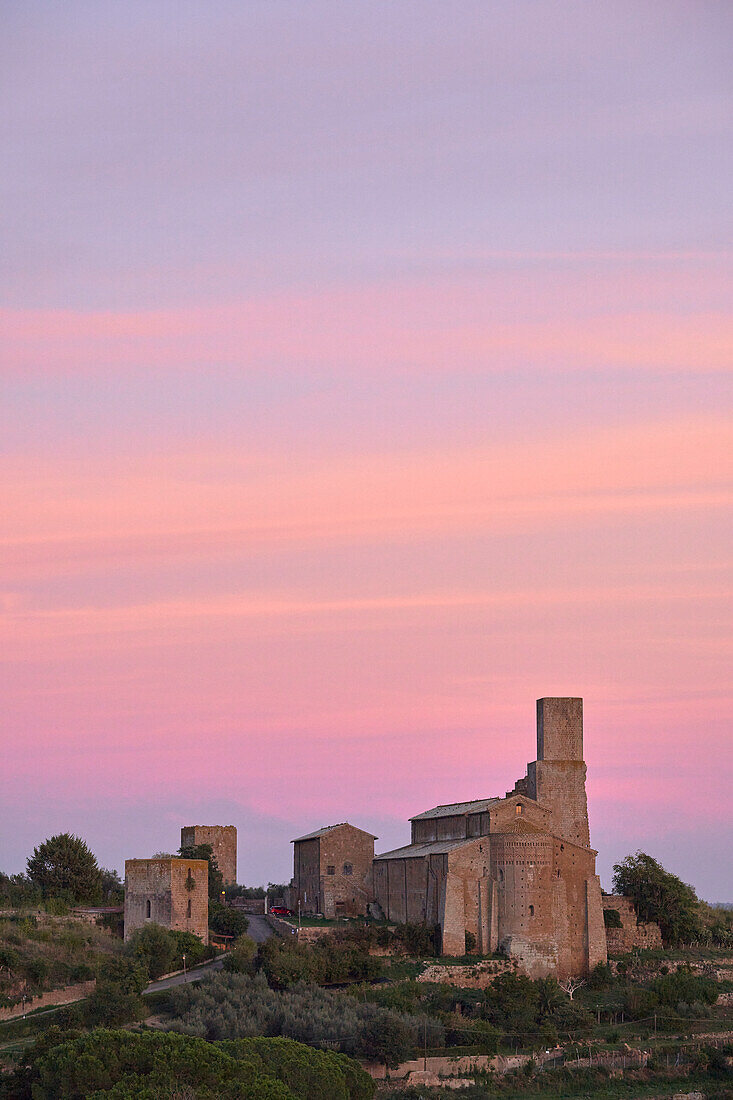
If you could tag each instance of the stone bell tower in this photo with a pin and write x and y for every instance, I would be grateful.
(558, 774)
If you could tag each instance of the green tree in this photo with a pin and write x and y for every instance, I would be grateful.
(205, 851)
(113, 889)
(122, 1065)
(226, 920)
(385, 1038)
(513, 1004)
(154, 948)
(659, 896)
(63, 866)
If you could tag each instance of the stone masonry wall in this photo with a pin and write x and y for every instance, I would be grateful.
(631, 934)
(171, 892)
(223, 841)
(346, 857)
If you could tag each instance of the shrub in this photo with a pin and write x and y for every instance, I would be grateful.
(240, 959)
(154, 948)
(225, 920)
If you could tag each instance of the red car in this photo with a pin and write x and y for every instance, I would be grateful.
(280, 911)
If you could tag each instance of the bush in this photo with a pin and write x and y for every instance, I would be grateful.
(240, 960)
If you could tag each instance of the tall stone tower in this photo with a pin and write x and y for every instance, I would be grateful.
(558, 774)
(223, 842)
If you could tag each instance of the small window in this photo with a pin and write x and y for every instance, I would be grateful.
(518, 809)
(531, 910)
(331, 870)
(190, 884)
(501, 875)
(188, 908)
(348, 869)
(148, 908)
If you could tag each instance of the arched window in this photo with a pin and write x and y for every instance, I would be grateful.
(148, 908)
(348, 869)
(518, 809)
(531, 910)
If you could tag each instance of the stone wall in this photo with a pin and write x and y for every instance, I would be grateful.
(63, 996)
(171, 892)
(223, 841)
(477, 975)
(630, 934)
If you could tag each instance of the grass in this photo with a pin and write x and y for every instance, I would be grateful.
(42, 953)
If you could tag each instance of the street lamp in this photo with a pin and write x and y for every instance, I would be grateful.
(184, 967)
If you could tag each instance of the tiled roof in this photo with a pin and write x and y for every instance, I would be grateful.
(432, 848)
(327, 829)
(455, 808)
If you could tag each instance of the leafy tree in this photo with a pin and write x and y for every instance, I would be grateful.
(226, 920)
(205, 851)
(186, 943)
(113, 889)
(659, 896)
(385, 1038)
(18, 892)
(154, 948)
(512, 1003)
(123, 971)
(63, 866)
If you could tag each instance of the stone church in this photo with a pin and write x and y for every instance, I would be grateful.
(516, 872)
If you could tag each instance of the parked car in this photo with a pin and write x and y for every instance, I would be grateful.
(280, 911)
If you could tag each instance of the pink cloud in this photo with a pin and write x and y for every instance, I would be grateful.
(476, 324)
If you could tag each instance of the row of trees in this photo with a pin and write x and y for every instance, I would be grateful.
(128, 1066)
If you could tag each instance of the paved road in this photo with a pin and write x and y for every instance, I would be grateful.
(258, 929)
(194, 975)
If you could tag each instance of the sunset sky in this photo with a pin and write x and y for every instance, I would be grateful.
(366, 375)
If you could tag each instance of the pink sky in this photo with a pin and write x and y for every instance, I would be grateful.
(351, 404)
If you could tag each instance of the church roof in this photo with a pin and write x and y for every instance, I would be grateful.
(431, 848)
(327, 829)
(454, 809)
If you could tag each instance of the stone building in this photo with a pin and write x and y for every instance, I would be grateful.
(168, 891)
(629, 932)
(516, 872)
(223, 842)
(332, 871)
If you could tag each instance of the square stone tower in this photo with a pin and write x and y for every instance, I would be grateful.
(223, 842)
(558, 775)
(170, 892)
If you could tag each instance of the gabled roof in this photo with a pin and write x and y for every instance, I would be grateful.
(329, 828)
(454, 809)
(430, 848)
